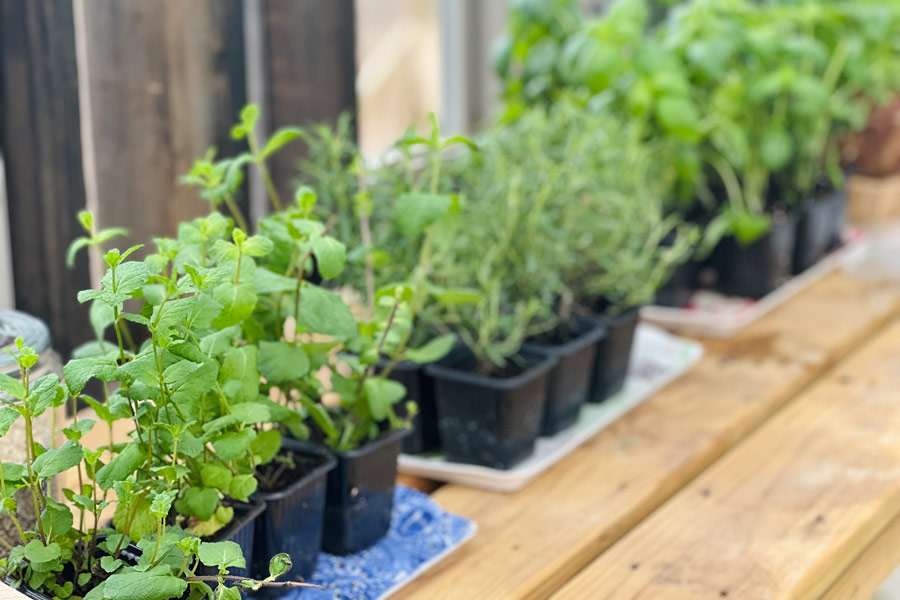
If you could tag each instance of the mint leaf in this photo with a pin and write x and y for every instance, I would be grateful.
(221, 554)
(200, 502)
(56, 460)
(381, 394)
(12, 387)
(214, 476)
(323, 311)
(238, 302)
(416, 211)
(266, 445)
(44, 393)
(279, 139)
(121, 466)
(8, 416)
(330, 256)
(234, 445)
(37, 552)
(242, 486)
(156, 584)
(280, 362)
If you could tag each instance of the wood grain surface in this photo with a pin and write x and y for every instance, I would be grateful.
(786, 512)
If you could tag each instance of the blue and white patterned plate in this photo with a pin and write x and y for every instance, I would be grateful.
(421, 535)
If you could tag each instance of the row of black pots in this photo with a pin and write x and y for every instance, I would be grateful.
(495, 421)
(797, 240)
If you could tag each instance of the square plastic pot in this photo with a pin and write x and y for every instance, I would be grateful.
(756, 269)
(490, 421)
(293, 520)
(360, 494)
(819, 223)
(569, 382)
(679, 289)
(613, 355)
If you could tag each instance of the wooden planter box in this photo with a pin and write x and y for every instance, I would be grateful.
(872, 200)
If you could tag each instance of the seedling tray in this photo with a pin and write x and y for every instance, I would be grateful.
(657, 358)
(710, 314)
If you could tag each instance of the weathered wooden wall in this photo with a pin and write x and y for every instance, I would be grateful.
(40, 138)
(155, 83)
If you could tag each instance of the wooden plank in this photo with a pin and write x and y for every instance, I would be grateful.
(7, 593)
(310, 62)
(787, 511)
(529, 544)
(166, 81)
(871, 568)
(41, 141)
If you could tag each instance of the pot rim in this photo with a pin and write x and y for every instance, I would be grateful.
(329, 463)
(544, 365)
(593, 334)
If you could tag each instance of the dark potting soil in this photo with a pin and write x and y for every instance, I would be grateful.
(558, 336)
(514, 366)
(276, 476)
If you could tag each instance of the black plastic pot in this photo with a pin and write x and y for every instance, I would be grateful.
(570, 380)
(241, 531)
(360, 494)
(613, 356)
(292, 521)
(680, 287)
(754, 270)
(423, 436)
(490, 421)
(819, 223)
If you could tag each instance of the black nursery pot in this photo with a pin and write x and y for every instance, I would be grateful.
(754, 270)
(679, 289)
(424, 436)
(360, 494)
(241, 531)
(819, 224)
(570, 380)
(490, 421)
(613, 356)
(292, 521)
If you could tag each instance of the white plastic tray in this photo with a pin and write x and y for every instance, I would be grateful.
(657, 358)
(713, 315)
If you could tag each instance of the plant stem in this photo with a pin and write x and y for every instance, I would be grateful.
(264, 172)
(236, 213)
(288, 584)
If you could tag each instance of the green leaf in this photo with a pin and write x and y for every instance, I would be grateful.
(749, 227)
(434, 350)
(8, 416)
(239, 374)
(215, 476)
(76, 245)
(238, 302)
(200, 502)
(280, 138)
(323, 311)
(56, 460)
(110, 564)
(414, 212)
(257, 246)
(12, 386)
(251, 413)
(330, 256)
(235, 444)
(156, 584)
(120, 467)
(279, 565)
(44, 393)
(57, 519)
(242, 486)
(36, 552)
(776, 148)
(130, 276)
(221, 554)
(266, 445)
(381, 394)
(76, 432)
(679, 116)
(162, 503)
(78, 372)
(280, 362)
(457, 296)
(13, 472)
